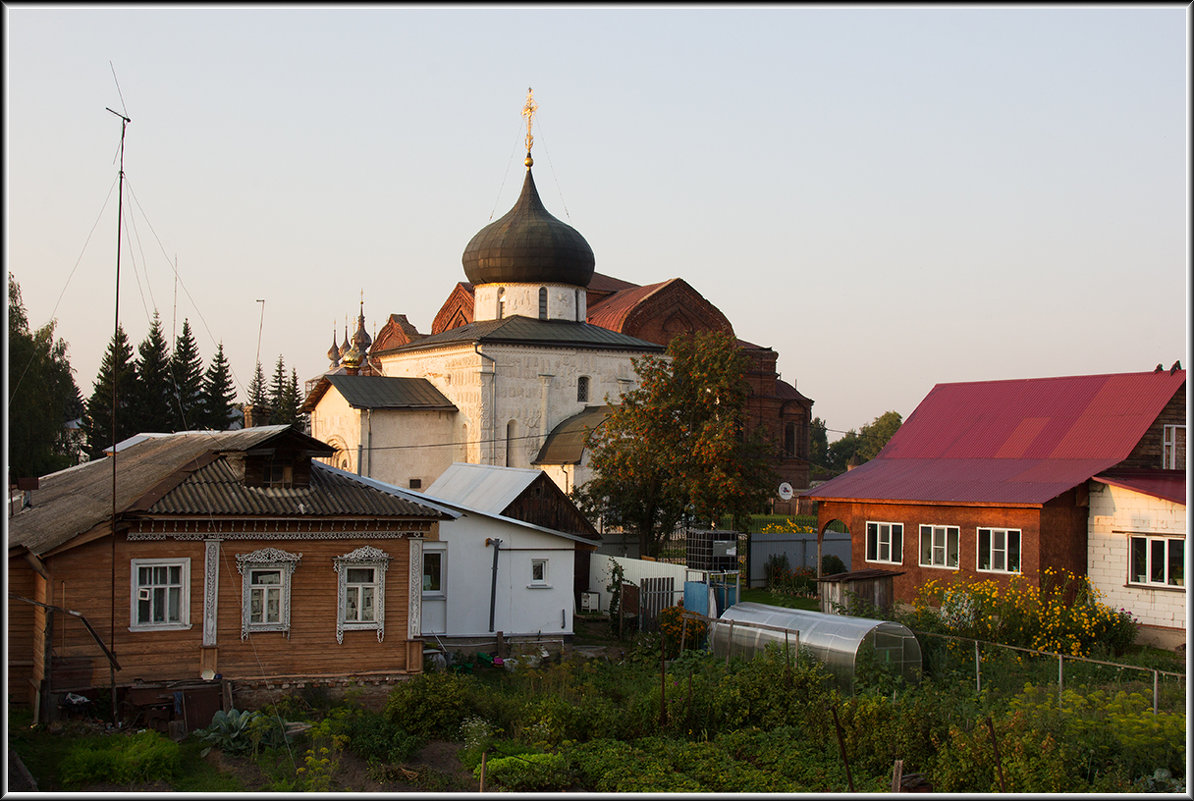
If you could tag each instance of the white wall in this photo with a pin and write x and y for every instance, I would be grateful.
(523, 299)
(519, 609)
(1113, 512)
(634, 570)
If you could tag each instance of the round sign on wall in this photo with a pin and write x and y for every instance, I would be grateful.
(785, 491)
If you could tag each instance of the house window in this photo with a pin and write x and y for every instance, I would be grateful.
(582, 389)
(1173, 453)
(278, 473)
(265, 590)
(433, 572)
(939, 546)
(542, 303)
(160, 594)
(885, 543)
(1157, 561)
(999, 550)
(361, 591)
(538, 573)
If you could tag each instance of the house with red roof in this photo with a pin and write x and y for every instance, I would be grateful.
(991, 479)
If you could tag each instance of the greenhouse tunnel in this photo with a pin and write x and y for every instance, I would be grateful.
(845, 645)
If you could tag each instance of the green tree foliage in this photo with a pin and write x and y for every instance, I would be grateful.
(42, 395)
(277, 392)
(258, 398)
(864, 444)
(676, 445)
(219, 394)
(818, 444)
(97, 422)
(153, 404)
(186, 369)
(286, 409)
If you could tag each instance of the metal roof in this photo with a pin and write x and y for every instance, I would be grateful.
(389, 392)
(485, 488)
(1023, 441)
(567, 442)
(1168, 485)
(519, 330)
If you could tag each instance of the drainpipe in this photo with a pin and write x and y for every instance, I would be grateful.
(493, 403)
(493, 584)
(370, 441)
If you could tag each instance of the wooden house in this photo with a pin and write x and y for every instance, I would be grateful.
(224, 555)
(992, 479)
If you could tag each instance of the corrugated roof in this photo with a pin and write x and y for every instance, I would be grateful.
(485, 488)
(1020, 441)
(219, 489)
(73, 501)
(519, 330)
(567, 441)
(390, 392)
(1168, 485)
(611, 313)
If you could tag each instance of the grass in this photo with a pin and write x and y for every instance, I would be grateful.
(761, 595)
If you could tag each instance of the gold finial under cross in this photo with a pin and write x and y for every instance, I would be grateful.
(528, 111)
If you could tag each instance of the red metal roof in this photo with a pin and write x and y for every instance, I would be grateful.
(1019, 441)
(1168, 485)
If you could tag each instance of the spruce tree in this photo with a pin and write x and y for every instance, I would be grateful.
(258, 398)
(219, 394)
(154, 406)
(277, 393)
(187, 370)
(97, 422)
(287, 411)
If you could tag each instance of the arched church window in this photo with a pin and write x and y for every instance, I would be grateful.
(501, 302)
(542, 303)
(789, 439)
(582, 389)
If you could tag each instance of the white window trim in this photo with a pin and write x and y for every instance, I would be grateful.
(266, 559)
(543, 584)
(1148, 551)
(933, 528)
(442, 592)
(1169, 447)
(878, 534)
(365, 556)
(978, 549)
(184, 601)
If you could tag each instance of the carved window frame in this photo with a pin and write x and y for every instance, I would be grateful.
(266, 559)
(370, 557)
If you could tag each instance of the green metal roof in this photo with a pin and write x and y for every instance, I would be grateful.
(389, 392)
(518, 330)
(567, 441)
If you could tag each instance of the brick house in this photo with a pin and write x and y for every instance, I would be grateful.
(992, 479)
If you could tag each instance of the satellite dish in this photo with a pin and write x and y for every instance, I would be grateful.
(785, 491)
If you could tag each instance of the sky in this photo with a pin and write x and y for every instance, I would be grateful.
(889, 197)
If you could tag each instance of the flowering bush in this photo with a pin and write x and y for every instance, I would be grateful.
(1065, 615)
(680, 631)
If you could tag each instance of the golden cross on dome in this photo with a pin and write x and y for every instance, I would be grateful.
(528, 111)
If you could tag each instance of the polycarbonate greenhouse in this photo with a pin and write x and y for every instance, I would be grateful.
(847, 646)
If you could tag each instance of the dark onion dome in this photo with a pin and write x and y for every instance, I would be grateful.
(334, 350)
(528, 246)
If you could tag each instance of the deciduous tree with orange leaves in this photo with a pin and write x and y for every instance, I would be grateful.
(677, 446)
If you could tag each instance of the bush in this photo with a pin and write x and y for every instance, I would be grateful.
(432, 705)
(680, 631)
(236, 732)
(142, 757)
(374, 738)
(528, 772)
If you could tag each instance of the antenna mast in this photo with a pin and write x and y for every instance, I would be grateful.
(124, 122)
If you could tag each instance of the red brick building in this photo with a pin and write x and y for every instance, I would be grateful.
(990, 479)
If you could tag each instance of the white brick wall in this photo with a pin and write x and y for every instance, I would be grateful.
(1115, 514)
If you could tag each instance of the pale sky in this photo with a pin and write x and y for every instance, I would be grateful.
(890, 198)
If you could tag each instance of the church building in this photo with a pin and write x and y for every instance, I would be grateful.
(520, 363)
